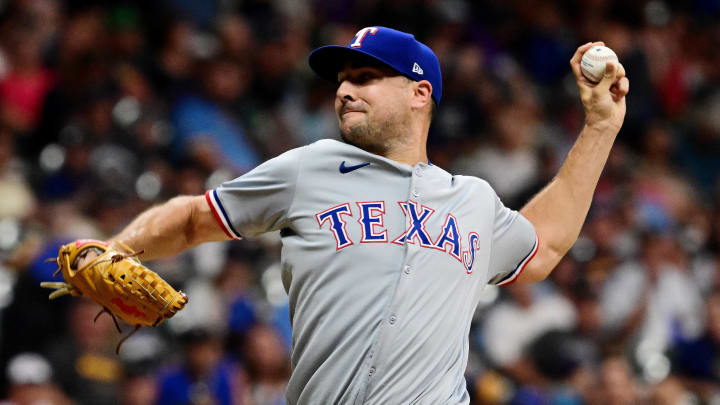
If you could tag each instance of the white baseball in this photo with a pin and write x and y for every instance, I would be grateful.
(594, 60)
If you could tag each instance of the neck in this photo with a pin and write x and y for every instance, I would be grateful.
(408, 154)
(411, 148)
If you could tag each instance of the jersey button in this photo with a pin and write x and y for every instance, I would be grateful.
(392, 320)
(407, 269)
(418, 172)
(371, 372)
(415, 193)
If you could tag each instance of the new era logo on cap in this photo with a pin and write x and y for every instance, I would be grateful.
(396, 49)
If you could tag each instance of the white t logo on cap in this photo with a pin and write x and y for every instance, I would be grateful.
(361, 35)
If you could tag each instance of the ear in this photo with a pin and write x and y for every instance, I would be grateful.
(422, 95)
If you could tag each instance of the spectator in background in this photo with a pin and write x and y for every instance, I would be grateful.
(267, 368)
(90, 370)
(699, 147)
(653, 300)
(207, 132)
(138, 388)
(310, 115)
(173, 64)
(697, 361)
(514, 323)
(663, 198)
(24, 87)
(18, 200)
(235, 285)
(670, 392)
(509, 164)
(125, 35)
(617, 385)
(205, 376)
(565, 377)
(237, 37)
(30, 377)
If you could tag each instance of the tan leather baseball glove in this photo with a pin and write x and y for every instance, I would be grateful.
(117, 281)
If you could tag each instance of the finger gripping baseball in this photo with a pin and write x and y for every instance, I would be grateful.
(118, 282)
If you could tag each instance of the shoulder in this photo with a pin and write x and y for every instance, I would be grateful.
(325, 143)
(329, 152)
(291, 156)
(306, 156)
(310, 152)
(331, 145)
(475, 183)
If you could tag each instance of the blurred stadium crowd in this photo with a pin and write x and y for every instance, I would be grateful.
(106, 110)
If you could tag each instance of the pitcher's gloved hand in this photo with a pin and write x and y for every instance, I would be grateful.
(113, 277)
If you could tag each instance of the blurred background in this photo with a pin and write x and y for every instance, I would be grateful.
(107, 109)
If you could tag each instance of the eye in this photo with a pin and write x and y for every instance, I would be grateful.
(365, 77)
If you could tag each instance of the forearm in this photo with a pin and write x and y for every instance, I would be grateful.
(559, 210)
(162, 230)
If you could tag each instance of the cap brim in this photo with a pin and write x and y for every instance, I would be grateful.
(328, 60)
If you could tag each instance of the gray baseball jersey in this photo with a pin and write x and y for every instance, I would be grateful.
(383, 264)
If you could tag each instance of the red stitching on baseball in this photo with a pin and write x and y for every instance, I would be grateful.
(601, 58)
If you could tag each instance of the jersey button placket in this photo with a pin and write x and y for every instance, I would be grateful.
(417, 174)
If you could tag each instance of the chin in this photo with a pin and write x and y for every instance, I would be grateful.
(348, 137)
(360, 137)
(354, 131)
(351, 120)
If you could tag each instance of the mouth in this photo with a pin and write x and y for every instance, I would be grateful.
(348, 114)
(347, 108)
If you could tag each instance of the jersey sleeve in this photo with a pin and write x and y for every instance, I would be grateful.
(514, 244)
(258, 201)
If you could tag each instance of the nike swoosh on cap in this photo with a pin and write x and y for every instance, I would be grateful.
(347, 169)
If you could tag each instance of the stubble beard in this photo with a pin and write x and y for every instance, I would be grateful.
(375, 138)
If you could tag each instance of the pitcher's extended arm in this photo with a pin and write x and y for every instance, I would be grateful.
(172, 227)
(559, 210)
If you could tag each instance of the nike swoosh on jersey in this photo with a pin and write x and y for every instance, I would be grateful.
(347, 169)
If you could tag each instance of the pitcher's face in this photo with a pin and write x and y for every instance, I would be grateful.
(372, 105)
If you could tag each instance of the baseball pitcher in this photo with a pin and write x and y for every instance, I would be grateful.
(384, 254)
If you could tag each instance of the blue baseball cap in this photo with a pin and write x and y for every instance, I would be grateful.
(396, 49)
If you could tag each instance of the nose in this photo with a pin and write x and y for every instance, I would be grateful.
(345, 92)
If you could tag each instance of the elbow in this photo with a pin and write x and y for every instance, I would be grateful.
(553, 255)
(556, 253)
(543, 264)
(534, 276)
(556, 248)
(560, 244)
(535, 272)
